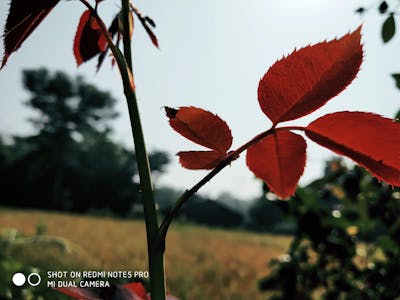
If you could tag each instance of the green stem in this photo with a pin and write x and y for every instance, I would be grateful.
(126, 36)
(124, 62)
(156, 258)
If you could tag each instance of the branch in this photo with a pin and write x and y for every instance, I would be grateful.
(162, 233)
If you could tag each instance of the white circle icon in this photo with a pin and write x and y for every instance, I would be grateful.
(18, 279)
(34, 279)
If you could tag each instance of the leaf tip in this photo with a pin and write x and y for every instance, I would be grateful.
(170, 112)
(356, 36)
(5, 58)
(78, 58)
(3, 63)
(359, 28)
(78, 63)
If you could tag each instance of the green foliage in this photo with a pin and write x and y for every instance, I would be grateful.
(347, 242)
(397, 118)
(383, 7)
(388, 29)
(41, 228)
(396, 77)
(10, 265)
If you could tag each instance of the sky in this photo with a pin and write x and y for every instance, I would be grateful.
(212, 55)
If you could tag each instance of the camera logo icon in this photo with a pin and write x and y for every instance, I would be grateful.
(33, 279)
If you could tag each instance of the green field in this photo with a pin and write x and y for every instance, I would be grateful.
(201, 263)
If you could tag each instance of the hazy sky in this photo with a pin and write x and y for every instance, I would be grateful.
(212, 55)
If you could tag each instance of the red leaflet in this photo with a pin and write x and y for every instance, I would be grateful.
(130, 291)
(22, 20)
(202, 127)
(369, 139)
(89, 41)
(200, 160)
(78, 293)
(136, 288)
(306, 79)
(279, 160)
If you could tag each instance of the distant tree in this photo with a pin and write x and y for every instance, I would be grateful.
(209, 212)
(158, 161)
(264, 214)
(5, 153)
(71, 163)
(165, 198)
(67, 106)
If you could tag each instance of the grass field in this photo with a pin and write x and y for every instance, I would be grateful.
(201, 263)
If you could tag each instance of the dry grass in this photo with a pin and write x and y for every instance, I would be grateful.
(201, 263)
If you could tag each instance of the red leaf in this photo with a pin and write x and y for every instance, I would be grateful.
(22, 20)
(150, 33)
(89, 41)
(201, 127)
(78, 293)
(146, 21)
(137, 289)
(200, 160)
(306, 79)
(369, 139)
(130, 291)
(279, 160)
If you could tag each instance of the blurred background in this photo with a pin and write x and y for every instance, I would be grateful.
(70, 195)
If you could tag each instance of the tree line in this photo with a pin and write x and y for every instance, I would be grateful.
(71, 162)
